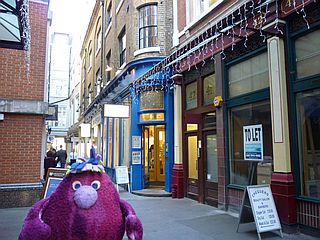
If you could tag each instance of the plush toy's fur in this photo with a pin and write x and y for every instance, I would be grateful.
(82, 212)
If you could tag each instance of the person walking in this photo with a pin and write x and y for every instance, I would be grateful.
(61, 157)
(73, 156)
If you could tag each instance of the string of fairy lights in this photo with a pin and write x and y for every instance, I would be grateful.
(26, 33)
(236, 27)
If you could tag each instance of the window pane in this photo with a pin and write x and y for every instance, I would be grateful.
(250, 114)
(193, 157)
(308, 114)
(249, 76)
(110, 129)
(212, 159)
(116, 142)
(148, 31)
(191, 95)
(308, 54)
(209, 89)
(151, 100)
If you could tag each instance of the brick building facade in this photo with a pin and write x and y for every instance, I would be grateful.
(22, 130)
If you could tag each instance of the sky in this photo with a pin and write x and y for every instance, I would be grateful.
(71, 16)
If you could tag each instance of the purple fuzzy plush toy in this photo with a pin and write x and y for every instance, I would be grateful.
(84, 206)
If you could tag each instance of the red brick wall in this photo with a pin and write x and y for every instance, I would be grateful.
(20, 148)
(13, 70)
(20, 134)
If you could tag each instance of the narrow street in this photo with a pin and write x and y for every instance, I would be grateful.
(166, 218)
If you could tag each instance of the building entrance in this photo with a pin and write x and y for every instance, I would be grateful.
(154, 155)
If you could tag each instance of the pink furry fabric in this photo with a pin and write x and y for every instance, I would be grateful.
(84, 206)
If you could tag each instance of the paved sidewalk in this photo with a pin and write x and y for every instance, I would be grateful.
(166, 218)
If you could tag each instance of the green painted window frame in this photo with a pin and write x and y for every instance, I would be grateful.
(299, 86)
(256, 96)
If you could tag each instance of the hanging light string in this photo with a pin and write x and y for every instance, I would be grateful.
(194, 50)
(26, 34)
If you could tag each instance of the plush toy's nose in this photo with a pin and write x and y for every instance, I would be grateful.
(85, 197)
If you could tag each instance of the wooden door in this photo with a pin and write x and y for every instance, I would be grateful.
(192, 167)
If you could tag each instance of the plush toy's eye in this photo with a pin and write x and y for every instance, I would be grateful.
(76, 185)
(95, 184)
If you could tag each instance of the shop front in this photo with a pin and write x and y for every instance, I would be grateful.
(304, 94)
(152, 140)
(199, 135)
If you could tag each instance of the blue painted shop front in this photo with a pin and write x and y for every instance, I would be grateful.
(113, 130)
(152, 138)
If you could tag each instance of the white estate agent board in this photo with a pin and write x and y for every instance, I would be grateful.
(253, 142)
(263, 208)
(122, 176)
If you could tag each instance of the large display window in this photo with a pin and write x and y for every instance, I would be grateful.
(247, 115)
(249, 105)
(306, 86)
(308, 116)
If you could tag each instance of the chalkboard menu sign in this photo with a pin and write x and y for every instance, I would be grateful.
(53, 178)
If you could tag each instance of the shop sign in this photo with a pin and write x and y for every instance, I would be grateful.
(122, 175)
(263, 208)
(258, 206)
(136, 141)
(136, 157)
(253, 142)
(53, 179)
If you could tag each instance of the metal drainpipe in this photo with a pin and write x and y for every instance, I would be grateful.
(102, 43)
(102, 69)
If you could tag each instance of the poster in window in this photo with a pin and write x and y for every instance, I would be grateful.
(136, 157)
(191, 95)
(253, 142)
(136, 141)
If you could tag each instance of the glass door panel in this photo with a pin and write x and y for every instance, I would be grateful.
(212, 159)
(160, 153)
(193, 157)
(210, 169)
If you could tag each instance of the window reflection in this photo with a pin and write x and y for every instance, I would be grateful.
(308, 116)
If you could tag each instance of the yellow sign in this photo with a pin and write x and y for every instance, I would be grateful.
(218, 101)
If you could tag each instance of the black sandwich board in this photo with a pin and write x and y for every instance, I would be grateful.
(258, 206)
(53, 178)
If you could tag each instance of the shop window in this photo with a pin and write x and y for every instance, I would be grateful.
(308, 54)
(151, 101)
(110, 129)
(308, 120)
(104, 141)
(191, 95)
(209, 89)
(126, 141)
(116, 142)
(148, 26)
(209, 120)
(245, 115)
(249, 75)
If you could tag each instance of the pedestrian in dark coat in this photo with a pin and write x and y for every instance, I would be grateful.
(61, 156)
